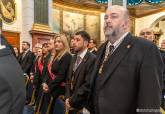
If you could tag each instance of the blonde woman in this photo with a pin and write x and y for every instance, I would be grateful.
(59, 67)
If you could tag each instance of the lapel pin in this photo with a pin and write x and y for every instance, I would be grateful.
(128, 46)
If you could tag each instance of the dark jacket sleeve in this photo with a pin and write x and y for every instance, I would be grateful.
(61, 74)
(150, 81)
(68, 82)
(5, 97)
(79, 98)
(29, 62)
(163, 58)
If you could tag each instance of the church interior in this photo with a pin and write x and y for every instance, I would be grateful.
(36, 21)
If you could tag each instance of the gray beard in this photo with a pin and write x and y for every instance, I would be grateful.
(112, 37)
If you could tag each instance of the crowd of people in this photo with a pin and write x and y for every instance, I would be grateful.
(50, 69)
(125, 75)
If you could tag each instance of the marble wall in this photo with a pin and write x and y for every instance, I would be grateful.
(25, 19)
(148, 22)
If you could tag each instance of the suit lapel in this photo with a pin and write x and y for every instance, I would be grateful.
(99, 58)
(71, 66)
(115, 59)
(81, 65)
(25, 56)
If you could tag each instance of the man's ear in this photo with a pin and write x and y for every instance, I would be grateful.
(126, 24)
(86, 43)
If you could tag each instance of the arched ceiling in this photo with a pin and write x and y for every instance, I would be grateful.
(136, 11)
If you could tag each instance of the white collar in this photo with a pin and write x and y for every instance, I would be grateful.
(82, 54)
(27, 50)
(118, 42)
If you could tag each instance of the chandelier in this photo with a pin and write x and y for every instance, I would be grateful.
(134, 2)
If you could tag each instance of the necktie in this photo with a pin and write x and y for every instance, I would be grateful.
(108, 52)
(78, 60)
(23, 55)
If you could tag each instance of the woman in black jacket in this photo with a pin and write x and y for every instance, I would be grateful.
(58, 69)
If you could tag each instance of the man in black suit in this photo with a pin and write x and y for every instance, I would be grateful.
(26, 57)
(12, 89)
(148, 34)
(79, 73)
(127, 74)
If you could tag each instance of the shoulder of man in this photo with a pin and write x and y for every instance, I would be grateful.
(91, 55)
(143, 43)
(5, 51)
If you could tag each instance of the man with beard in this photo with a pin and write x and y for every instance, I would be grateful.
(126, 75)
(79, 73)
(26, 58)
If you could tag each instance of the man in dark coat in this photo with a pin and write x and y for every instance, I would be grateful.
(26, 58)
(148, 34)
(127, 74)
(79, 73)
(12, 89)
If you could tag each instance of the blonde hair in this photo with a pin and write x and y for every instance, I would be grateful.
(66, 49)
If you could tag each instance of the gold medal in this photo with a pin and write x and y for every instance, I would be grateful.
(101, 69)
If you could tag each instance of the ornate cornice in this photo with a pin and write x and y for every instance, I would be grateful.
(39, 28)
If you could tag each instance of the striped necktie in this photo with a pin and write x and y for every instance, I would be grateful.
(78, 60)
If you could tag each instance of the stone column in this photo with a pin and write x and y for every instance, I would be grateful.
(27, 19)
(117, 2)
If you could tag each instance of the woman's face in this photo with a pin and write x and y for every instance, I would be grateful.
(45, 50)
(39, 52)
(59, 44)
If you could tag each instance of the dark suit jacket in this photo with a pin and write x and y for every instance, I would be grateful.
(27, 62)
(12, 89)
(163, 58)
(94, 52)
(80, 90)
(131, 78)
(60, 69)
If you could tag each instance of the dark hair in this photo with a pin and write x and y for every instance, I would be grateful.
(26, 43)
(94, 41)
(84, 35)
(45, 45)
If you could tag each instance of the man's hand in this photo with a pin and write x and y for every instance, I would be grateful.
(45, 87)
(67, 105)
(31, 77)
